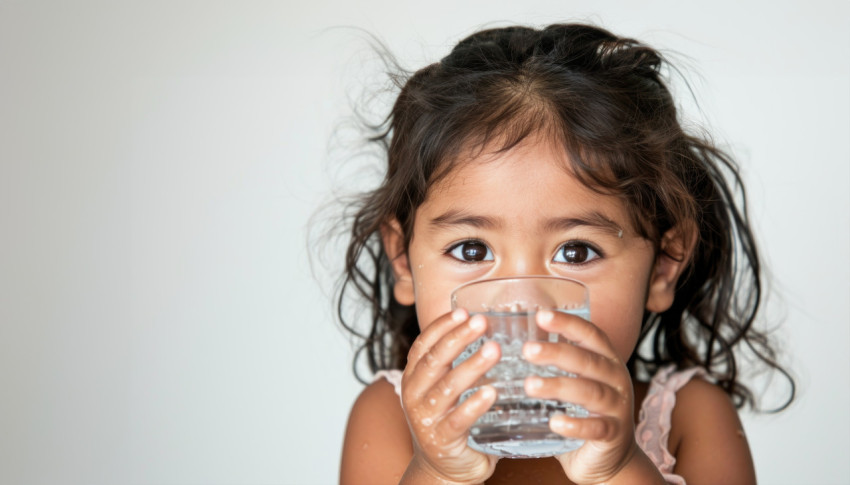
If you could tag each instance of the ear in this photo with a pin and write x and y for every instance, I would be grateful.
(677, 245)
(393, 239)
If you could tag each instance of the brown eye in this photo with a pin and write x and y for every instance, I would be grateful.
(575, 253)
(471, 251)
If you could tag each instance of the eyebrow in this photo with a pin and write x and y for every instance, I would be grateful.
(455, 217)
(592, 219)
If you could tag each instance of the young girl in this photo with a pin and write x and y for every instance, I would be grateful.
(554, 152)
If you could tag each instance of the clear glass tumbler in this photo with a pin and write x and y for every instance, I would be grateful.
(517, 425)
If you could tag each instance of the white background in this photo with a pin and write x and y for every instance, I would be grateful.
(159, 165)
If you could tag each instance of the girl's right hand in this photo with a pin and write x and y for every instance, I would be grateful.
(430, 390)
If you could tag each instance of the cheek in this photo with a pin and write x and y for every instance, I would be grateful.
(621, 327)
(432, 296)
(619, 314)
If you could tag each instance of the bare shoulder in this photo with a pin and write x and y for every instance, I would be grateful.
(707, 437)
(377, 446)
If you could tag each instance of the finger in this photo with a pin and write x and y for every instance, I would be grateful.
(445, 393)
(434, 332)
(576, 330)
(577, 360)
(434, 364)
(595, 396)
(598, 428)
(457, 423)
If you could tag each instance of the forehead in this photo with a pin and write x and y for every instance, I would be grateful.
(532, 179)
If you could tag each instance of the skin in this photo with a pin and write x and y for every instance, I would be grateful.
(522, 212)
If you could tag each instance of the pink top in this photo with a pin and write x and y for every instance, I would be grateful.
(653, 427)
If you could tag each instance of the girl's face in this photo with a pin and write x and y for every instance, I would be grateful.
(522, 212)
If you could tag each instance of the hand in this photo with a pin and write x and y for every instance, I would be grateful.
(603, 386)
(430, 391)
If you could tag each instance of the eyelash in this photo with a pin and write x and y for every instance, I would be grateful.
(489, 254)
(452, 248)
(579, 244)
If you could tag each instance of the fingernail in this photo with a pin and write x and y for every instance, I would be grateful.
(532, 348)
(532, 383)
(545, 316)
(459, 315)
(477, 322)
(556, 422)
(488, 351)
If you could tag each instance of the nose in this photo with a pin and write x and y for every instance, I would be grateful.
(523, 262)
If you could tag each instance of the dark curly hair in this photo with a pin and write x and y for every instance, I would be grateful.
(603, 98)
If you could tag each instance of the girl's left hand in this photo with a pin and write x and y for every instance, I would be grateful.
(602, 385)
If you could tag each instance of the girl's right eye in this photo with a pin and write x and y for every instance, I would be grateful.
(471, 252)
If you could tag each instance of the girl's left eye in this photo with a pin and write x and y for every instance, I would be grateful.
(575, 253)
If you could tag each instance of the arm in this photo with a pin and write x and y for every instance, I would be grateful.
(377, 446)
(707, 438)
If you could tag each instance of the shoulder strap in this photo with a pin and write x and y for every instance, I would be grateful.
(393, 376)
(653, 429)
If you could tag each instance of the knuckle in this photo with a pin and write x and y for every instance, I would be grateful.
(597, 428)
(612, 429)
(589, 362)
(454, 423)
(416, 349)
(617, 362)
(596, 392)
(585, 331)
(430, 360)
(605, 429)
(444, 387)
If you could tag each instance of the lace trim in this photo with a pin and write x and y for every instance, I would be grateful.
(654, 421)
(393, 376)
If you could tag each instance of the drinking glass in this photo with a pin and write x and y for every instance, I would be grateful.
(517, 425)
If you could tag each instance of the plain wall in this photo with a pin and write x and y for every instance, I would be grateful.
(159, 165)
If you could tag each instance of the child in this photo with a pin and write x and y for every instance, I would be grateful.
(554, 152)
